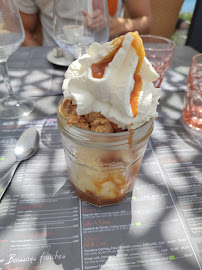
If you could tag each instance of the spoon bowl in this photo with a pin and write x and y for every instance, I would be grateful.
(26, 147)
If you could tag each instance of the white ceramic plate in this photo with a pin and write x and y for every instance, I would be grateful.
(60, 61)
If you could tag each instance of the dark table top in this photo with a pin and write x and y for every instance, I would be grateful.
(43, 225)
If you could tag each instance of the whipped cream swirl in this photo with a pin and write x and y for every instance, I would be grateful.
(111, 93)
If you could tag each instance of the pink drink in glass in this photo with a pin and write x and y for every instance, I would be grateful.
(192, 112)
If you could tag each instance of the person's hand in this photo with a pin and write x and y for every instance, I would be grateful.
(95, 21)
(117, 26)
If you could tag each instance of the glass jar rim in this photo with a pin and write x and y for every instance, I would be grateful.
(83, 136)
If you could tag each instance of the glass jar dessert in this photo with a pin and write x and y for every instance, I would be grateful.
(103, 167)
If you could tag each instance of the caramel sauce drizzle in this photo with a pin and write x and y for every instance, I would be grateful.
(98, 69)
(111, 178)
(138, 46)
(95, 200)
(130, 138)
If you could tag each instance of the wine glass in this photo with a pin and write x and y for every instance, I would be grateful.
(79, 23)
(11, 37)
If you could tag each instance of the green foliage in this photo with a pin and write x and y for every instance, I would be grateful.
(179, 37)
(186, 16)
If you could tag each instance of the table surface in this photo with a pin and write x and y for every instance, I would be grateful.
(43, 225)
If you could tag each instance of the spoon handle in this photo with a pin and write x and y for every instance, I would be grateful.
(6, 179)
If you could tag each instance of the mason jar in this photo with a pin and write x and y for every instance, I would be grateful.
(103, 167)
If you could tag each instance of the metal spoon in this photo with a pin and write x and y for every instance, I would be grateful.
(26, 147)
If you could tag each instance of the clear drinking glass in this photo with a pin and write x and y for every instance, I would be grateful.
(159, 52)
(103, 167)
(11, 37)
(192, 112)
(79, 23)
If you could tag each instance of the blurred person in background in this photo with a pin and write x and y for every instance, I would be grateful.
(38, 14)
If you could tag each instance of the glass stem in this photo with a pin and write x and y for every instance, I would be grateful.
(6, 78)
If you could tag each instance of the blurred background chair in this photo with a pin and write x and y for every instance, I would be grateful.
(194, 38)
(165, 14)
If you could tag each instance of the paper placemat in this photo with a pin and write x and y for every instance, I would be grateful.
(43, 225)
(32, 74)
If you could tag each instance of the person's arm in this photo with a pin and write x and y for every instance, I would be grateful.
(30, 22)
(139, 19)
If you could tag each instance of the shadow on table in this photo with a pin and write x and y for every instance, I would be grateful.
(136, 234)
(119, 245)
(122, 232)
(98, 231)
(129, 242)
(50, 136)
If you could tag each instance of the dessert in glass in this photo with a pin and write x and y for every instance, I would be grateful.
(106, 118)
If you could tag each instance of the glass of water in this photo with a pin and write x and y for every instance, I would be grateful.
(11, 37)
(79, 23)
